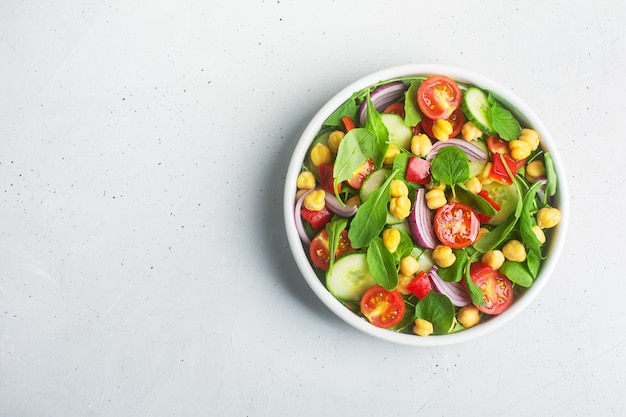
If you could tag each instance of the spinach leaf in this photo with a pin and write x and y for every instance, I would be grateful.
(348, 108)
(517, 273)
(353, 152)
(405, 248)
(497, 235)
(450, 166)
(334, 229)
(503, 121)
(551, 179)
(370, 218)
(437, 309)
(381, 264)
(478, 203)
(374, 124)
(455, 272)
(476, 294)
(401, 163)
(413, 115)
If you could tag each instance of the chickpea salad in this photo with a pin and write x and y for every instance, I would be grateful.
(425, 205)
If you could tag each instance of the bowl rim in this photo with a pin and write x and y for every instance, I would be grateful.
(519, 108)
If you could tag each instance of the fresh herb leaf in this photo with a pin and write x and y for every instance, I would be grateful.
(353, 152)
(348, 108)
(381, 264)
(437, 309)
(551, 178)
(412, 113)
(517, 273)
(334, 229)
(374, 124)
(503, 121)
(450, 166)
(455, 272)
(370, 218)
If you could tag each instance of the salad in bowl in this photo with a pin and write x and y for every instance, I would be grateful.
(426, 205)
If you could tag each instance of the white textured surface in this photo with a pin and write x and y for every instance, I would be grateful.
(143, 264)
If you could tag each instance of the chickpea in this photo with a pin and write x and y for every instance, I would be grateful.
(538, 231)
(481, 233)
(442, 129)
(320, 154)
(493, 258)
(315, 201)
(334, 139)
(474, 185)
(468, 316)
(443, 256)
(435, 198)
(391, 239)
(400, 207)
(484, 175)
(403, 282)
(534, 170)
(531, 137)
(423, 327)
(514, 251)
(470, 132)
(421, 145)
(398, 188)
(306, 180)
(519, 149)
(409, 265)
(390, 155)
(548, 217)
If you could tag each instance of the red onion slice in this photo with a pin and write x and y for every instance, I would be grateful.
(473, 152)
(382, 97)
(455, 291)
(421, 222)
(339, 209)
(299, 225)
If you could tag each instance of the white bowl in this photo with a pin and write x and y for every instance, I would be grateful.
(524, 114)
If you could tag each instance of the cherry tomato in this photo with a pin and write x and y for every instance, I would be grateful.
(438, 96)
(498, 145)
(317, 219)
(319, 248)
(418, 170)
(456, 119)
(360, 174)
(327, 178)
(496, 287)
(420, 286)
(395, 108)
(499, 172)
(383, 308)
(482, 217)
(456, 225)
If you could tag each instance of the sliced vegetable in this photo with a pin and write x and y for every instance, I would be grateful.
(383, 308)
(399, 134)
(497, 289)
(421, 222)
(438, 96)
(381, 97)
(317, 219)
(505, 197)
(337, 207)
(503, 167)
(298, 219)
(456, 225)
(350, 277)
(361, 173)
(418, 171)
(420, 286)
(455, 291)
(320, 252)
(456, 119)
(476, 107)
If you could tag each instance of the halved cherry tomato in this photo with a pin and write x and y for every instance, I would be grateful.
(420, 286)
(383, 308)
(456, 225)
(456, 119)
(496, 287)
(317, 219)
(498, 145)
(438, 96)
(327, 178)
(319, 248)
(418, 170)
(499, 172)
(482, 217)
(395, 108)
(361, 173)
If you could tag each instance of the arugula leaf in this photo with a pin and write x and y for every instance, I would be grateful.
(516, 272)
(503, 121)
(412, 113)
(353, 152)
(550, 174)
(370, 218)
(437, 309)
(334, 229)
(450, 166)
(401, 163)
(348, 108)
(494, 237)
(526, 223)
(478, 203)
(374, 124)
(381, 264)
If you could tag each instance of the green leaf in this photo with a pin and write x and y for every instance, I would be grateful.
(348, 108)
(450, 166)
(405, 248)
(476, 294)
(412, 113)
(401, 163)
(370, 218)
(381, 264)
(517, 273)
(503, 121)
(334, 229)
(437, 309)
(550, 175)
(353, 152)
(455, 272)
(526, 223)
(478, 203)
(494, 237)
(374, 124)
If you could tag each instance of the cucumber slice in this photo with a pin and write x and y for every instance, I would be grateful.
(349, 277)
(475, 166)
(476, 107)
(399, 134)
(506, 196)
(373, 182)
